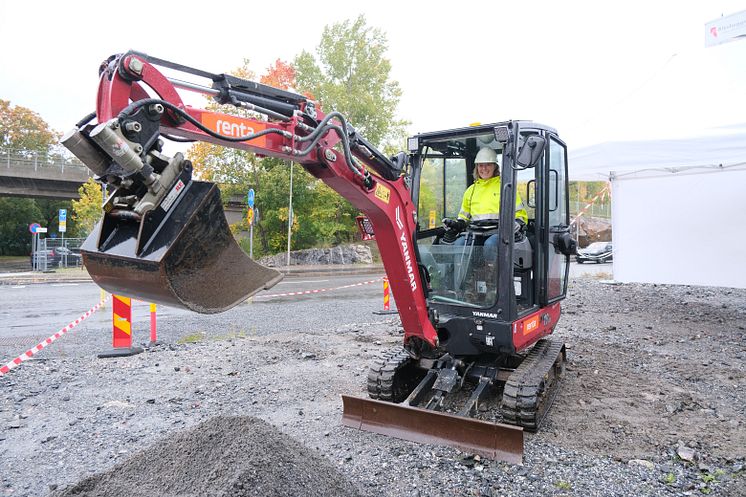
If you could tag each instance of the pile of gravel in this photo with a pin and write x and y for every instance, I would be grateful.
(227, 456)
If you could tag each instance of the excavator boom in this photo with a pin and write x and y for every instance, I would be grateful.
(164, 236)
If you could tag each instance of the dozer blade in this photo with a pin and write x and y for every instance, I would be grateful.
(492, 440)
(183, 256)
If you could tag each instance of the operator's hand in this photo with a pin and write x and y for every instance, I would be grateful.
(519, 228)
(453, 228)
(457, 225)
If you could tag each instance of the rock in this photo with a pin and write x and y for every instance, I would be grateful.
(341, 254)
(686, 453)
(641, 462)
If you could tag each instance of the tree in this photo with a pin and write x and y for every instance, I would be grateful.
(279, 75)
(87, 211)
(351, 75)
(24, 129)
(15, 216)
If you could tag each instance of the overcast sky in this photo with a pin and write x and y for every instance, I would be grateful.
(597, 71)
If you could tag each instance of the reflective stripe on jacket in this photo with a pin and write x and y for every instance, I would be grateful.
(482, 201)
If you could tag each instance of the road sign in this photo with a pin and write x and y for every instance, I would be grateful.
(34, 227)
(63, 221)
(250, 216)
(250, 198)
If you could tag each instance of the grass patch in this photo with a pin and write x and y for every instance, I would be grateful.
(669, 479)
(563, 485)
(191, 338)
(200, 336)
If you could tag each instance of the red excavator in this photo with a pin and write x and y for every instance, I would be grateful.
(476, 367)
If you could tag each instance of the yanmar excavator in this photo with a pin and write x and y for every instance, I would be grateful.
(476, 366)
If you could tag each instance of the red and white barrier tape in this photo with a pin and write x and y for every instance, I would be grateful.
(307, 292)
(29, 353)
(589, 204)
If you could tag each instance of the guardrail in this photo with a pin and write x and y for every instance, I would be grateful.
(10, 158)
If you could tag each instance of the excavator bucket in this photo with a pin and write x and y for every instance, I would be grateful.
(181, 255)
(492, 440)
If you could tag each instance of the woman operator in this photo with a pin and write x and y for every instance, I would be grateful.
(482, 201)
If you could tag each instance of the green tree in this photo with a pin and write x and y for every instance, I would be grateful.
(87, 211)
(15, 216)
(351, 75)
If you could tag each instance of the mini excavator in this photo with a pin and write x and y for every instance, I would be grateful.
(476, 366)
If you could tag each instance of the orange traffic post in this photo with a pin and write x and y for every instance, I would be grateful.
(386, 298)
(153, 328)
(386, 292)
(121, 322)
(121, 313)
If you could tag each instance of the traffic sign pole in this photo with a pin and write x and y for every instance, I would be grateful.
(250, 215)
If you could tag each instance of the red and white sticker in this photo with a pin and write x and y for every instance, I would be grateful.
(172, 195)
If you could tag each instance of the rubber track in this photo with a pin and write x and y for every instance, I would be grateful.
(382, 373)
(526, 397)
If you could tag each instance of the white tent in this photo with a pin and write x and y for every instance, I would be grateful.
(678, 206)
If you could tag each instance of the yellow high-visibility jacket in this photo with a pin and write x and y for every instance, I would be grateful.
(482, 201)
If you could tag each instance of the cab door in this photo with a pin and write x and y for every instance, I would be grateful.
(557, 216)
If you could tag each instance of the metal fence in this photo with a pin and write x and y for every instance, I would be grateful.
(55, 253)
(595, 210)
(37, 160)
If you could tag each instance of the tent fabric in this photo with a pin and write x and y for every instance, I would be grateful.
(717, 148)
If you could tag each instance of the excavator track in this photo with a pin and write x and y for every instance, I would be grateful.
(393, 376)
(530, 389)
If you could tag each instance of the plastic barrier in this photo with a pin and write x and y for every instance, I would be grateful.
(29, 353)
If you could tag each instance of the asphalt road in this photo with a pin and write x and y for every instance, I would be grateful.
(36, 311)
(30, 313)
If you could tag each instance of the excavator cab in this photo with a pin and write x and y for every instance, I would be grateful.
(498, 269)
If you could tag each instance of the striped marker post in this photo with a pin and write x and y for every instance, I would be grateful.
(121, 322)
(386, 299)
(386, 296)
(153, 328)
(121, 313)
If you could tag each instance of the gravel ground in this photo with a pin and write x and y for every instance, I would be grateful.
(652, 403)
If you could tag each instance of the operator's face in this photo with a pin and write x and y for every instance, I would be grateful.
(486, 170)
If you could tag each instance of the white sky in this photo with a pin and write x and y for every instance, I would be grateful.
(595, 70)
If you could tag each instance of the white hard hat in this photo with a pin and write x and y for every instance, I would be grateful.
(486, 155)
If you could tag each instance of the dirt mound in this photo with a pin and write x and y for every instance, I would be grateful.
(225, 456)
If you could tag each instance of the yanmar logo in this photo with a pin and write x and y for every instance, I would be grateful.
(405, 251)
(234, 127)
(480, 314)
(408, 262)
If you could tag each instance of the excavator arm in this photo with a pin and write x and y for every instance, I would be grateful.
(164, 237)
